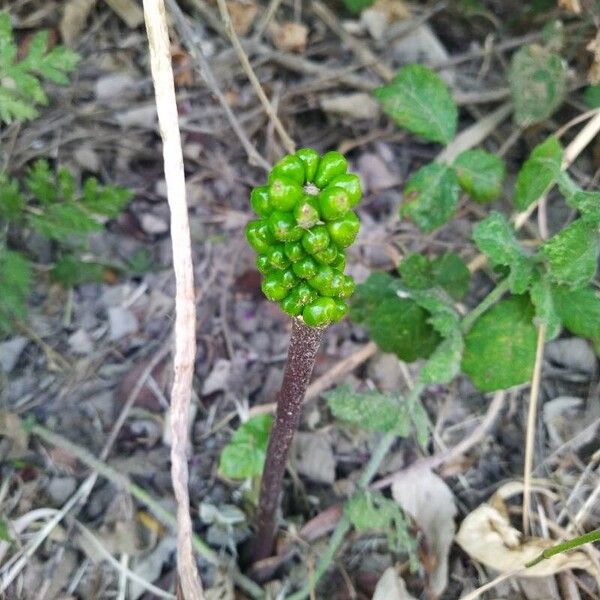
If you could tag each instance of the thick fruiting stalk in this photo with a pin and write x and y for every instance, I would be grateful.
(306, 223)
(304, 345)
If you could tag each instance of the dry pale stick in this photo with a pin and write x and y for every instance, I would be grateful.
(531, 419)
(185, 308)
(243, 57)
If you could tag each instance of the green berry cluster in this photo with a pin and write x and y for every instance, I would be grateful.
(306, 223)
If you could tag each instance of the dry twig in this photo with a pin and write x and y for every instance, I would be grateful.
(185, 309)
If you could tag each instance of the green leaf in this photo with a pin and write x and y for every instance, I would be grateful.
(448, 271)
(63, 221)
(430, 196)
(15, 283)
(12, 202)
(480, 174)
(40, 180)
(573, 254)
(71, 271)
(500, 347)
(588, 204)
(495, 237)
(355, 6)
(437, 303)
(394, 321)
(4, 533)
(20, 80)
(419, 100)
(244, 456)
(371, 410)
(591, 96)
(538, 172)
(108, 200)
(545, 310)
(444, 364)
(538, 82)
(579, 310)
(373, 511)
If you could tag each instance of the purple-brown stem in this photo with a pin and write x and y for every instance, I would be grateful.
(302, 351)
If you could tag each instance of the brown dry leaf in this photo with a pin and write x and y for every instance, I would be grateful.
(359, 105)
(11, 428)
(289, 36)
(427, 498)
(391, 587)
(573, 6)
(381, 14)
(594, 72)
(74, 18)
(242, 13)
(487, 536)
(128, 10)
(182, 65)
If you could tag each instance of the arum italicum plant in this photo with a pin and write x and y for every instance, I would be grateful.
(305, 224)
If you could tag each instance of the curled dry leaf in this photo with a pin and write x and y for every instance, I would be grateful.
(242, 13)
(594, 72)
(487, 536)
(391, 587)
(359, 105)
(427, 498)
(73, 20)
(573, 6)
(289, 36)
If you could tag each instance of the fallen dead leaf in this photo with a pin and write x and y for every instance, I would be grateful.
(391, 587)
(355, 106)
(11, 428)
(183, 67)
(594, 72)
(487, 536)
(427, 498)
(381, 14)
(573, 6)
(242, 13)
(73, 20)
(289, 36)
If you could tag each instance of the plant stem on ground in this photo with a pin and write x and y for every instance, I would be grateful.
(303, 348)
(380, 452)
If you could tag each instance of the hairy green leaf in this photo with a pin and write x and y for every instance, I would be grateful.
(371, 410)
(15, 283)
(368, 295)
(419, 100)
(105, 200)
(444, 364)
(448, 271)
(40, 180)
(12, 202)
(579, 310)
(430, 196)
(573, 254)
(495, 237)
(20, 79)
(545, 310)
(244, 456)
(71, 271)
(373, 511)
(538, 81)
(588, 204)
(538, 172)
(480, 174)
(437, 303)
(60, 222)
(500, 347)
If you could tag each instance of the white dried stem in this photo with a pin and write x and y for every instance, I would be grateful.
(185, 309)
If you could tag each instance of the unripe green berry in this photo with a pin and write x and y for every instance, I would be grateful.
(259, 236)
(263, 264)
(277, 257)
(259, 199)
(306, 294)
(310, 158)
(273, 287)
(328, 255)
(291, 304)
(294, 251)
(348, 287)
(341, 308)
(284, 228)
(350, 183)
(320, 312)
(306, 212)
(316, 239)
(292, 168)
(339, 263)
(305, 268)
(344, 231)
(288, 278)
(284, 193)
(333, 203)
(321, 281)
(331, 164)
